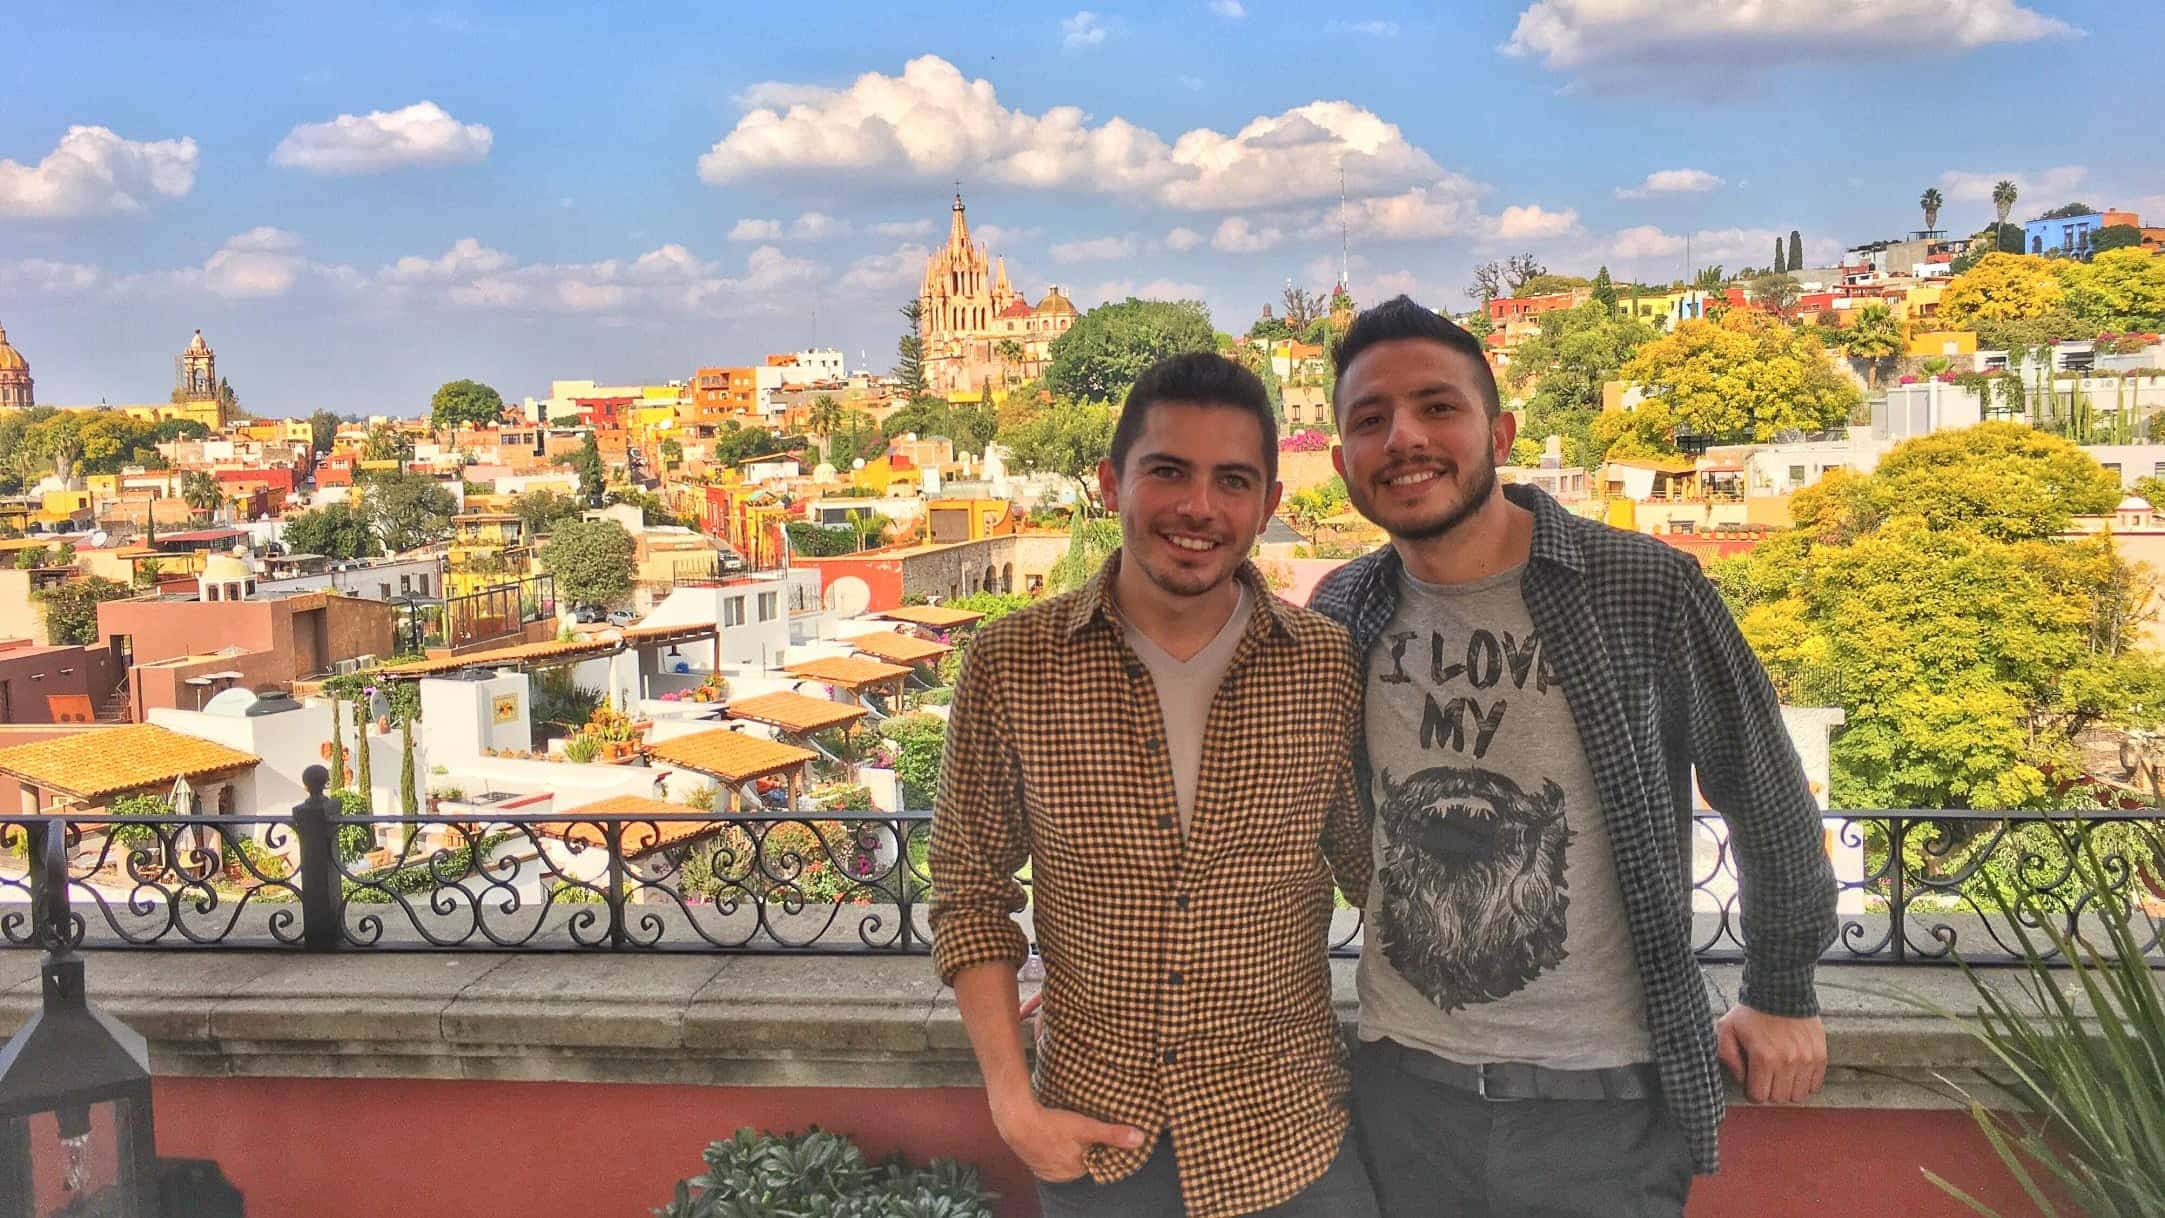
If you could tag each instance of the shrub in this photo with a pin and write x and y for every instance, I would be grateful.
(919, 741)
(582, 749)
(755, 1175)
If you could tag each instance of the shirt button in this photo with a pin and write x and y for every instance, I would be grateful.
(1135, 671)
(1165, 822)
(1170, 1056)
(1153, 744)
(1180, 900)
(1173, 978)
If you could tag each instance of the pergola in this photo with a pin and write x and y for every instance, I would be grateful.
(795, 714)
(857, 675)
(901, 649)
(935, 617)
(636, 839)
(521, 656)
(91, 767)
(736, 758)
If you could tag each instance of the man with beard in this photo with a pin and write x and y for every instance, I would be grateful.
(1167, 749)
(1540, 691)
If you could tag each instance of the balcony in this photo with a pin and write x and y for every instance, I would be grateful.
(509, 985)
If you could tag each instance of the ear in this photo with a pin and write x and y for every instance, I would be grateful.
(1504, 429)
(1270, 504)
(1108, 484)
(1338, 460)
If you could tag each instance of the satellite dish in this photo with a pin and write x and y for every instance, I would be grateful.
(848, 596)
(98, 540)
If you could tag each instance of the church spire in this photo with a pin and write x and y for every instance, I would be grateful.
(958, 227)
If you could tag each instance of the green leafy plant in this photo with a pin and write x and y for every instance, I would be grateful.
(756, 1175)
(2081, 1042)
(582, 749)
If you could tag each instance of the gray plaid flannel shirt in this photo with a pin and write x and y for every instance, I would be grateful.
(1661, 684)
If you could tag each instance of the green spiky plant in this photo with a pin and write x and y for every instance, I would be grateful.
(755, 1175)
(2081, 1045)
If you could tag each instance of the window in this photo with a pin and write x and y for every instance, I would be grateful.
(405, 585)
(2158, 470)
(733, 611)
(2111, 467)
(1796, 475)
(769, 604)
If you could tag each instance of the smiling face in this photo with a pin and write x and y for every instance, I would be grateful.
(1193, 495)
(1417, 445)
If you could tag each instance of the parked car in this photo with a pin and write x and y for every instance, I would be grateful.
(622, 617)
(586, 614)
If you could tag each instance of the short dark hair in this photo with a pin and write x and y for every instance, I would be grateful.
(1399, 317)
(1203, 378)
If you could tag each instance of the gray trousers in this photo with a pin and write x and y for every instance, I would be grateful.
(1153, 1191)
(1435, 1151)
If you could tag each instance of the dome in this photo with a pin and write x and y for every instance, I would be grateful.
(1054, 302)
(11, 360)
(196, 345)
(222, 567)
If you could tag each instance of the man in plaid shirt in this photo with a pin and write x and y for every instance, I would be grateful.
(1539, 693)
(1167, 749)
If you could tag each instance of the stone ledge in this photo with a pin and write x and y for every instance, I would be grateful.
(754, 1021)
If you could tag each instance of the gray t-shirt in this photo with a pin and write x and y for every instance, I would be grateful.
(1495, 929)
(1185, 690)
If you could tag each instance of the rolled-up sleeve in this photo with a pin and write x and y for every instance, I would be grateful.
(979, 836)
(1346, 843)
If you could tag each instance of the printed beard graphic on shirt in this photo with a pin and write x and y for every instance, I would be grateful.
(1473, 883)
(1473, 864)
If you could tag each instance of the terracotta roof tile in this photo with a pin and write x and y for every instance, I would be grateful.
(731, 756)
(103, 761)
(898, 648)
(849, 672)
(638, 837)
(794, 712)
(523, 653)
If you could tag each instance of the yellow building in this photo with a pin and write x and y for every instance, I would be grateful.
(882, 479)
(953, 520)
(1928, 343)
(977, 329)
(487, 549)
(61, 507)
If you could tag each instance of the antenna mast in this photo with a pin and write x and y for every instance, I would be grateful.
(1345, 238)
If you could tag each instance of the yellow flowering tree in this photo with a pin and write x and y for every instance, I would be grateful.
(1746, 376)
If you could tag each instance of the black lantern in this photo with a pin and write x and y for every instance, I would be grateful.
(76, 1138)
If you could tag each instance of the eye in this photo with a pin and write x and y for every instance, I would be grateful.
(1235, 482)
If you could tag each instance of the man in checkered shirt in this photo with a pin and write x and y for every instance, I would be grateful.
(1539, 692)
(1167, 749)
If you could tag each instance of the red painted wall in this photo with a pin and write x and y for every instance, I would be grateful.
(438, 1149)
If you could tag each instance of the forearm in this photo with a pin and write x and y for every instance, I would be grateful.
(989, 998)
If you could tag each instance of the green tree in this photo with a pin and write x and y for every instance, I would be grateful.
(1604, 291)
(910, 350)
(363, 770)
(334, 530)
(591, 473)
(672, 452)
(1875, 338)
(736, 442)
(1931, 202)
(856, 436)
(824, 416)
(1561, 371)
(1746, 377)
(1090, 540)
(2000, 288)
(200, 492)
(540, 510)
(1010, 354)
(2115, 237)
(2068, 210)
(1308, 508)
(30, 558)
(71, 608)
(465, 402)
(1067, 438)
(1796, 251)
(2118, 290)
(591, 561)
(1781, 259)
(1546, 284)
(322, 430)
(405, 699)
(1109, 346)
(1711, 279)
(58, 439)
(1934, 602)
(926, 416)
(386, 442)
(1777, 290)
(1269, 329)
(407, 511)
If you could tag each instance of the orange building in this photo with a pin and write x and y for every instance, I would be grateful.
(722, 394)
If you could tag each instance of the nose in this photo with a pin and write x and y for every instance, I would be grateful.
(1406, 434)
(1199, 501)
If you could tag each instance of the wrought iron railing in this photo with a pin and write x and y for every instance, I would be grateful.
(1916, 886)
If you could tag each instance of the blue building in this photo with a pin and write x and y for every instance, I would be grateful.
(2069, 235)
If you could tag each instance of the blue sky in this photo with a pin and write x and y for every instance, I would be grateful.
(356, 205)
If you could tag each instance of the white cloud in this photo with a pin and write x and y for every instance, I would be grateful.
(261, 262)
(992, 236)
(466, 257)
(1733, 246)
(904, 228)
(1443, 208)
(1236, 235)
(420, 134)
(1094, 249)
(1373, 29)
(1193, 84)
(1183, 239)
(1566, 35)
(811, 226)
(1533, 223)
(45, 277)
(902, 268)
(1231, 10)
(1671, 182)
(1644, 241)
(2042, 190)
(1084, 29)
(94, 171)
(1156, 289)
(931, 122)
(1384, 286)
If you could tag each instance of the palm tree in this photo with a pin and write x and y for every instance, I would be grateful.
(1010, 353)
(825, 417)
(2003, 198)
(1875, 338)
(1930, 201)
(200, 491)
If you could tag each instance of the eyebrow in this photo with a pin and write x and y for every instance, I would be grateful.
(1439, 389)
(1229, 467)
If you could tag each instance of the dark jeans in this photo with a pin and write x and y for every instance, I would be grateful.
(1434, 1150)
(1154, 1192)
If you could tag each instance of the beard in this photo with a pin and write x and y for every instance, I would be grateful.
(1474, 487)
(1171, 576)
